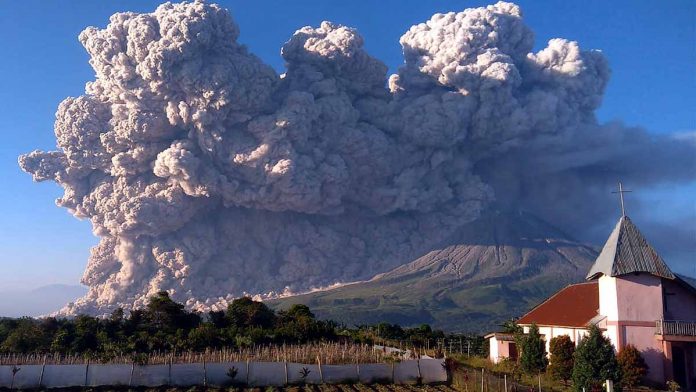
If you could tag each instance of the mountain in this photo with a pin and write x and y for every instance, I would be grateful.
(39, 301)
(493, 269)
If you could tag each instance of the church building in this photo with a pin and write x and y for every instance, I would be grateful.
(634, 298)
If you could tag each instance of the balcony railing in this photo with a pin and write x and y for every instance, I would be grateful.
(675, 328)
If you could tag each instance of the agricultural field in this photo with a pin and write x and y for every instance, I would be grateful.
(308, 388)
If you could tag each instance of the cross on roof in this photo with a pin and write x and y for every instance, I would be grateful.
(621, 191)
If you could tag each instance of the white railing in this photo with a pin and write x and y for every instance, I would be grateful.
(675, 328)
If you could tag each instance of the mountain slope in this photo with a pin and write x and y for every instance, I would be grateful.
(493, 269)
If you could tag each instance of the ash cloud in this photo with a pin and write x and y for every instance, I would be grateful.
(207, 174)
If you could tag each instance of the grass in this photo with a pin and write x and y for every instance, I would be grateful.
(468, 378)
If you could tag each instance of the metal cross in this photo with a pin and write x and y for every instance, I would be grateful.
(621, 191)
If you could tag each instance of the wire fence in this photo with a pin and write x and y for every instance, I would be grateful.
(469, 379)
(469, 346)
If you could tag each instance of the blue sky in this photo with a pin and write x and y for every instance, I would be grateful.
(650, 46)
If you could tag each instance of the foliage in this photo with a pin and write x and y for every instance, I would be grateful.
(165, 326)
(561, 362)
(673, 386)
(595, 361)
(632, 366)
(232, 372)
(304, 373)
(533, 357)
(511, 326)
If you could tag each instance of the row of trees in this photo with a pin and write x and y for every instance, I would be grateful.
(588, 366)
(166, 326)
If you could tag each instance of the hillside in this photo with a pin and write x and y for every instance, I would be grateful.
(493, 269)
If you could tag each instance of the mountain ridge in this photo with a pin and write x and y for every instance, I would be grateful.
(488, 271)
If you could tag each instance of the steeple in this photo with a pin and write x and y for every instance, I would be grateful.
(627, 251)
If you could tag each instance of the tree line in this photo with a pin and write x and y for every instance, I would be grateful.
(587, 366)
(166, 326)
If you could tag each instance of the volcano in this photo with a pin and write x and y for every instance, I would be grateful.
(491, 270)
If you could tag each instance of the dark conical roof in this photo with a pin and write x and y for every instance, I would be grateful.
(627, 251)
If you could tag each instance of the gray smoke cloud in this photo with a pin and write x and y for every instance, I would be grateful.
(206, 174)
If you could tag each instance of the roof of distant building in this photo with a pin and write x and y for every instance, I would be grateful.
(627, 251)
(574, 306)
(501, 336)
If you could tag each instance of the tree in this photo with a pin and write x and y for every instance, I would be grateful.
(632, 366)
(533, 358)
(511, 327)
(163, 313)
(595, 361)
(245, 313)
(204, 336)
(561, 362)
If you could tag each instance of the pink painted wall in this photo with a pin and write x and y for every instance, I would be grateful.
(639, 297)
(651, 349)
(639, 300)
(680, 303)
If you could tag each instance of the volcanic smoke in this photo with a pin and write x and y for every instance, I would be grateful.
(207, 174)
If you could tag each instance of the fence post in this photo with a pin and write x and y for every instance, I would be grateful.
(247, 372)
(539, 382)
(285, 363)
(505, 382)
(130, 381)
(43, 366)
(321, 373)
(420, 376)
(205, 373)
(610, 386)
(86, 372)
(483, 374)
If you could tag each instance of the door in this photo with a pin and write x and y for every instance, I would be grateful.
(679, 366)
(513, 351)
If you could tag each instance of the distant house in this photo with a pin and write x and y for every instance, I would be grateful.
(633, 296)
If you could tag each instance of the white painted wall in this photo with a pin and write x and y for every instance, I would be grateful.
(608, 303)
(493, 350)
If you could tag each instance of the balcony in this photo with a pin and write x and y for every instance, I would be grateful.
(675, 330)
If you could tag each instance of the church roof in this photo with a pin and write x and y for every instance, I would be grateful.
(627, 251)
(574, 306)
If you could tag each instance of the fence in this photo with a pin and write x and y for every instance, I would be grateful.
(222, 374)
(675, 328)
(471, 346)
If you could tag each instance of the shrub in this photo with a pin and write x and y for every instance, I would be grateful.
(673, 386)
(561, 363)
(595, 361)
(632, 365)
(533, 358)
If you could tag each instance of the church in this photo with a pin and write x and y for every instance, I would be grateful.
(634, 298)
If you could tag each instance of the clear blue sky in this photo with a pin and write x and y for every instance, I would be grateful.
(651, 46)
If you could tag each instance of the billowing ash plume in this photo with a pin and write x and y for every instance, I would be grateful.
(207, 174)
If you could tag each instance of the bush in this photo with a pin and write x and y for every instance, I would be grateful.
(561, 362)
(673, 386)
(533, 358)
(595, 362)
(632, 365)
